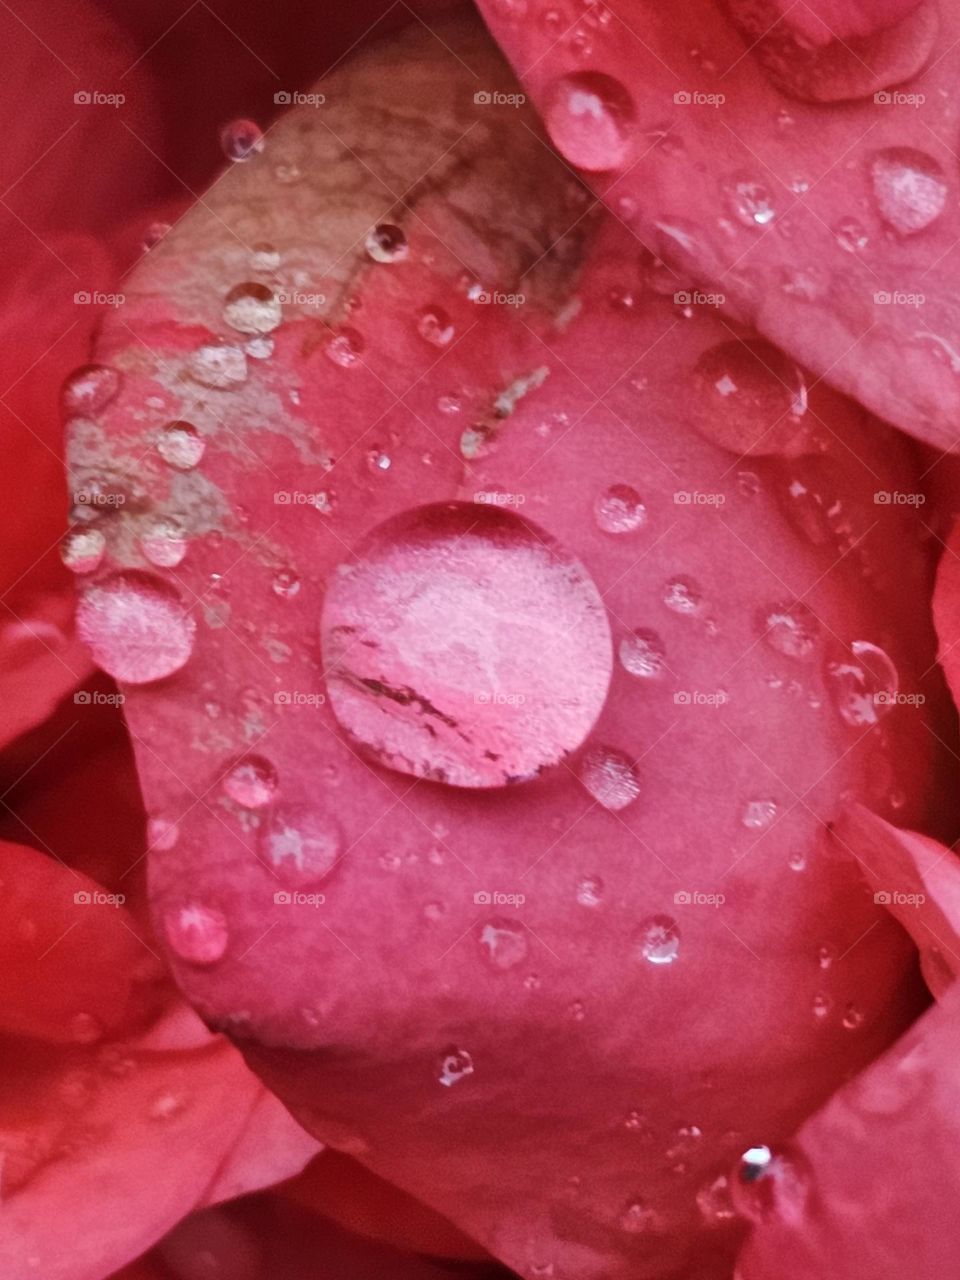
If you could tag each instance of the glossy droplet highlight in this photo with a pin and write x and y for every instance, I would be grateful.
(136, 627)
(909, 187)
(790, 629)
(344, 347)
(464, 645)
(750, 201)
(251, 782)
(197, 933)
(683, 596)
(770, 1184)
(758, 814)
(642, 654)
(300, 845)
(181, 445)
(88, 390)
(620, 510)
(285, 584)
(435, 326)
(252, 308)
(82, 550)
(750, 398)
(455, 1064)
(503, 944)
(863, 687)
(659, 941)
(590, 118)
(240, 140)
(386, 243)
(610, 777)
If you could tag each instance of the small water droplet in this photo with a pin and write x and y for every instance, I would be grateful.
(455, 1064)
(750, 201)
(167, 1106)
(252, 308)
(435, 326)
(590, 891)
(162, 834)
(852, 1017)
(659, 941)
(251, 782)
(387, 243)
(643, 654)
(637, 1217)
(683, 596)
(797, 860)
(758, 814)
(863, 688)
(826, 956)
(909, 187)
(136, 627)
(378, 462)
(503, 944)
(344, 347)
(590, 118)
(241, 139)
(88, 390)
(850, 235)
(82, 550)
(790, 629)
(163, 542)
(285, 584)
(821, 1006)
(771, 1185)
(265, 257)
(85, 1028)
(181, 445)
(219, 366)
(750, 398)
(715, 1202)
(301, 845)
(620, 510)
(197, 933)
(610, 777)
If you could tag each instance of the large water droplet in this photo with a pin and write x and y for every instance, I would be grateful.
(181, 445)
(610, 777)
(455, 1064)
(464, 645)
(590, 118)
(252, 308)
(251, 782)
(82, 550)
(770, 1185)
(909, 187)
(864, 687)
(659, 941)
(620, 510)
(386, 243)
(790, 629)
(136, 627)
(643, 654)
(197, 933)
(503, 944)
(88, 390)
(750, 398)
(241, 139)
(301, 845)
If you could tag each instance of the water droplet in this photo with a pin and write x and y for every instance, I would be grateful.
(643, 654)
(852, 1017)
(758, 814)
(590, 891)
(620, 510)
(610, 777)
(241, 139)
(790, 629)
(659, 940)
(750, 398)
(821, 1006)
(850, 235)
(166, 1106)
(285, 584)
(797, 860)
(162, 834)
(85, 1028)
(344, 347)
(455, 1064)
(826, 956)
(909, 187)
(197, 933)
(88, 390)
(181, 445)
(251, 782)
(299, 844)
(136, 627)
(771, 1185)
(265, 257)
(590, 118)
(750, 202)
(219, 367)
(449, 641)
(715, 1202)
(865, 687)
(435, 326)
(163, 542)
(387, 243)
(683, 596)
(252, 308)
(637, 1217)
(82, 550)
(503, 944)
(378, 462)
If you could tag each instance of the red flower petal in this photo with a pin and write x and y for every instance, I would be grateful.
(512, 1064)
